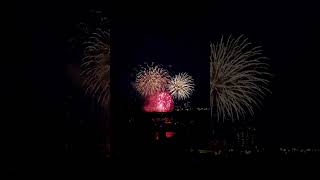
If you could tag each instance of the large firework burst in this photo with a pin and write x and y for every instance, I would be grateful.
(181, 86)
(95, 67)
(237, 78)
(151, 79)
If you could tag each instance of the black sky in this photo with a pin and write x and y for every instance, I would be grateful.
(176, 34)
(287, 32)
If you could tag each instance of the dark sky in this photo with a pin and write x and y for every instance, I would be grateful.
(176, 34)
(179, 35)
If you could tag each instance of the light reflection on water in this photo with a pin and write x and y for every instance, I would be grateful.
(177, 126)
(164, 127)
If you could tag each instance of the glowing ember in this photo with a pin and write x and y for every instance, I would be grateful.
(159, 102)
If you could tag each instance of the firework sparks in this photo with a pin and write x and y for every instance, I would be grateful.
(237, 78)
(159, 102)
(151, 80)
(181, 86)
(95, 67)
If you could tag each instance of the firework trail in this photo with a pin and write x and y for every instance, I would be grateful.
(151, 80)
(95, 67)
(181, 86)
(237, 78)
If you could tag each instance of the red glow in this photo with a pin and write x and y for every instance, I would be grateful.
(170, 134)
(159, 102)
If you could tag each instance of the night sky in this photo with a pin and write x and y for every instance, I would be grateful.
(172, 34)
(180, 35)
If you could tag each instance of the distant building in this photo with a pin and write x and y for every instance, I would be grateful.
(245, 140)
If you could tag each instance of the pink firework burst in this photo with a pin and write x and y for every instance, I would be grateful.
(159, 102)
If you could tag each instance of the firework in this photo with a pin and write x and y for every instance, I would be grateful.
(95, 67)
(181, 86)
(151, 80)
(237, 78)
(159, 102)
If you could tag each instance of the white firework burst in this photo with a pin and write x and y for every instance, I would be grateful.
(238, 78)
(95, 67)
(181, 86)
(151, 79)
